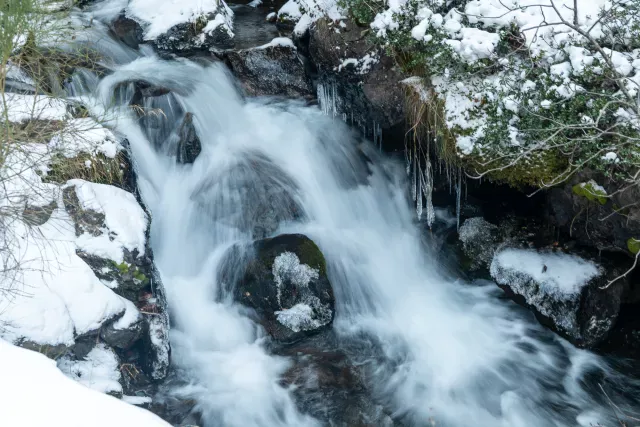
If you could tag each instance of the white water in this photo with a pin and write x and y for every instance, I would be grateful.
(439, 349)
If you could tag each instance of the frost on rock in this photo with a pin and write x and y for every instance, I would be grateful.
(309, 313)
(287, 267)
(158, 359)
(479, 241)
(99, 371)
(554, 284)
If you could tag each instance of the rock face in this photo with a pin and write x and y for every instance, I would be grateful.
(606, 223)
(188, 142)
(274, 69)
(253, 195)
(480, 239)
(565, 291)
(284, 280)
(354, 76)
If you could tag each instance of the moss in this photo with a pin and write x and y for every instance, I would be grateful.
(123, 267)
(590, 191)
(140, 276)
(310, 254)
(633, 245)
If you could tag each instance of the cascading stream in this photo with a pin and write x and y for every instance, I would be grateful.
(438, 349)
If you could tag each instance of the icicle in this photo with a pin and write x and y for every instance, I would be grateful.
(413, 181)
(419, 196)
(427, 190)
(458, 201)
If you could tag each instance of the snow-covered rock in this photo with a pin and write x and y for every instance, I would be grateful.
(566, 291)
(186, 26)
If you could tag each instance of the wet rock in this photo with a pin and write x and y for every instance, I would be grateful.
(253, 195)
(480, 239)
(191, 37)
(328, 385)
(127, 31)
(273, 69)
(122, 338)
(606, 223)
(355, 76)
(284, 280)
(156, 347)
(188, 142)
(568, 293)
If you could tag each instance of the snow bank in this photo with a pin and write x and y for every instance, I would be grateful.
(35, 393)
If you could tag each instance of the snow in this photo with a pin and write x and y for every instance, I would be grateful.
(160, 341)
(306, 12)
(99, 371)
(124, 217)
(85, 136)
(129, 318)
(564, 275)
(35, 393)
(278, 41)
(137, 400)
(27, 107)
(162, 17)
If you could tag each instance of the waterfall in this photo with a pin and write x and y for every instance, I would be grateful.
(438, 350)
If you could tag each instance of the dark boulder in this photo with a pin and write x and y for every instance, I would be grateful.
(127, 31)
(188, 142)
(568, 293)
(356, 77)
(284, 279)
(253, 195)
(274, 69)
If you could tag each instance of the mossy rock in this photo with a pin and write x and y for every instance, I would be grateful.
(284, 279)
(591, 191)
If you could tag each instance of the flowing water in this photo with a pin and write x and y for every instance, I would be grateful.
(438, 351)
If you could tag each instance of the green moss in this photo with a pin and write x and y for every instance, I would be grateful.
(633, 245)
(140, 276)
(310, 254)
(590, 191)
(123, 267)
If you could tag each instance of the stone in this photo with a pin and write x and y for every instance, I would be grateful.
(480, 239)
(188, 142)
(122, 338)
(274, 70)
(567, 293)
(127, 31)
(284, 280)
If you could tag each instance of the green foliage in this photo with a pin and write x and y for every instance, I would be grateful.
(633, 245)
(590, 192)
(362, 11)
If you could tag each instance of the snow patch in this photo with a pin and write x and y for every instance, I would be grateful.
(287, 267)
(99, 371)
